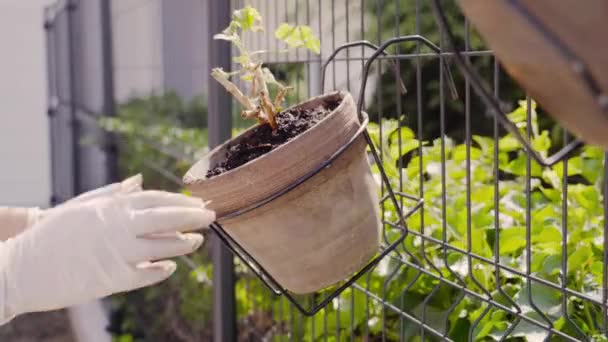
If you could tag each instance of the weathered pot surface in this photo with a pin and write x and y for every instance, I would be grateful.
(317, 234)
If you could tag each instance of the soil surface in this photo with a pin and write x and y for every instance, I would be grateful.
(290, 123)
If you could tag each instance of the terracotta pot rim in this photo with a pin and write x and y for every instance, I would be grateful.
(189, 180)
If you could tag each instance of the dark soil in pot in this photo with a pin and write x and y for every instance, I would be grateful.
(291, 123)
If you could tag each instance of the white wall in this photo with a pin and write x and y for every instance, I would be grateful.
(184, 41)
(24, 141)
(137, 39)
(159, 45)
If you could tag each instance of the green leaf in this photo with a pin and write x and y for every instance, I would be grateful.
(546, 299)
(552, 264)
(406, 146)
(283, 31)
(125, 338)
(581, 257)
(518, 167)
(530, 332)
(542, 143)
(248, 19)
(519, 114)
(512, 240)
(551, 194)
(459, 153)
(548, 235)
(484, 194)
(537, 261)
(585, 196)
(551, 176)
(593, 152)
(575, 167)
(405, 132)
(508, 144)
(519, 117)
(298, 36)
(597, 269)
(479, 244)
(484, 328)
(592, 169)
(486, 144)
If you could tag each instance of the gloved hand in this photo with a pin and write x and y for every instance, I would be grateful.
(129, 185)
(14, 221)
(102, 246)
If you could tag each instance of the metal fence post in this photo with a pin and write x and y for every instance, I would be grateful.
(50, 37)
(220, 127)
(111, 148)
(74, 123)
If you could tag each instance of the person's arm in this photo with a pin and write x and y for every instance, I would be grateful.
(15, 220)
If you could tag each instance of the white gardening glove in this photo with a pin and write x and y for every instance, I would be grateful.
(14, 221)
(93, 249)
(129, 185)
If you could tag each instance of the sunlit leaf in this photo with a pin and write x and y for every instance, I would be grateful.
(298, 36)
(247, 18)
(518, 167)
(542, 143)
(508, 144)
(512, 239)
(581, 257)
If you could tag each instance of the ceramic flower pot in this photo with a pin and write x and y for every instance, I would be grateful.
(317, 234)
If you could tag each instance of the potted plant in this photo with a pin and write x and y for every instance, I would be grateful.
(324, 229)
(538, 48)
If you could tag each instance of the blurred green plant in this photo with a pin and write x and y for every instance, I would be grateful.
(159, 132)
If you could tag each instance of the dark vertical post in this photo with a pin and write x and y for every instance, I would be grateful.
(50, 40)
(108, 109)
(73, 96)
(220, 127)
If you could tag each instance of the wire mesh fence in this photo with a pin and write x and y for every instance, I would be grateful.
(499, 247)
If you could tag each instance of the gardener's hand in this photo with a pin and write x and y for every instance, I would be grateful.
(92, 249)
(127, 186)
(14, 221)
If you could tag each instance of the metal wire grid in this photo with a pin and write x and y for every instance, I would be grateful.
(426, 266)
(496, 298)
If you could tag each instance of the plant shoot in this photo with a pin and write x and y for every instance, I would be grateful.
(259, 104)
